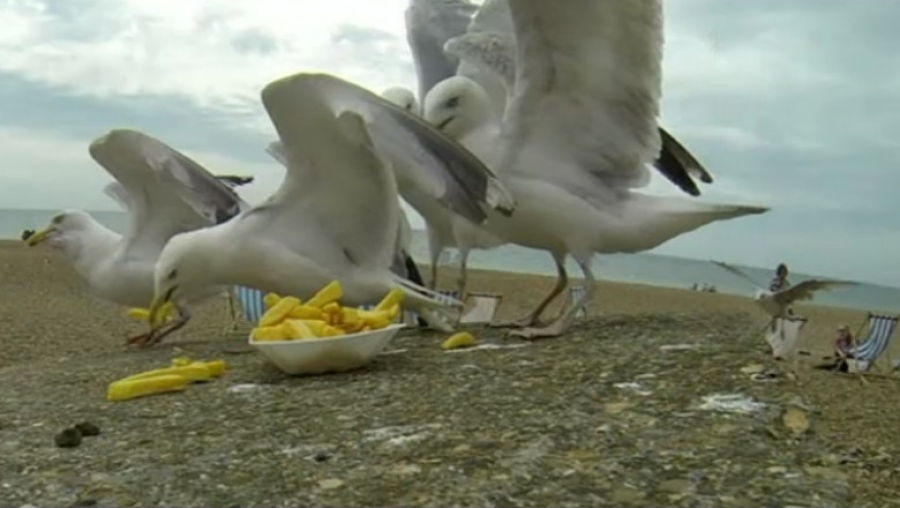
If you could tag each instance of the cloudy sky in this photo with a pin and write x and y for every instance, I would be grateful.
(790, 103)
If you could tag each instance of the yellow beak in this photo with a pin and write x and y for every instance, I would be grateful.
(156, 306)
(39, 236)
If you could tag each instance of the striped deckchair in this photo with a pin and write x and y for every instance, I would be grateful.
(576, 292)
(782, 338)
(864, 353)
(251, 299)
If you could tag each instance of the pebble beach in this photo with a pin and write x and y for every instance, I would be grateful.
(659, 397)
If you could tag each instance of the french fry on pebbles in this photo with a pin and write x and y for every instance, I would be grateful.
(289, 318)
(183, 372)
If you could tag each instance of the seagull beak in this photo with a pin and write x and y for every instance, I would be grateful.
(444, 123)
(157, 305)
(39, 236)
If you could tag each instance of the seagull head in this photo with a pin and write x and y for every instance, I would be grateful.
(456, 105)
(64, 229)
(182, 270)
(402, 97)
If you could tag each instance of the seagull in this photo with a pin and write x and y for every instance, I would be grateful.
(447, 38)
(776, 304)
(164, 193)
(336, 214)
(577, 134)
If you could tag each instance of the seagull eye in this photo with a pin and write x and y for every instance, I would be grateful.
(172, 275)
(452, 102)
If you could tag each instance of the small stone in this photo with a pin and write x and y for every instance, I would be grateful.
(69, 438)
(88, 429)
(331, 483)
(407, 469)
(796, 420)
(677, 485)
(753, 369)
(321, 456)
(777, 470)
(463, 448)
(615, 408)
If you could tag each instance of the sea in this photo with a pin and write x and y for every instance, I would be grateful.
(643, 268)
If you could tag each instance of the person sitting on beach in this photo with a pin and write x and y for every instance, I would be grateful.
(843, 345)
(780, 281)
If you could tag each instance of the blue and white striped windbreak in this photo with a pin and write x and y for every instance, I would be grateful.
(876, 342)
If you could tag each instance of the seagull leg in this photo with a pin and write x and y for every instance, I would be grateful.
(558, 327)
(461, 279)
(434, 249)
(156, 336)
(232, 313)
(531, 319)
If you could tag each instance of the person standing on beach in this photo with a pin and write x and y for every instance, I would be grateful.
(780, 281)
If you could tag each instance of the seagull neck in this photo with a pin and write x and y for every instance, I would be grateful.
(94, 244)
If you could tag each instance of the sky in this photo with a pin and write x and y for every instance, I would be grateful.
(789, 103)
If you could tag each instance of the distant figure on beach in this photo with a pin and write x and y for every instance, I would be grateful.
(27, 234)
(842, 347)
(780, 281)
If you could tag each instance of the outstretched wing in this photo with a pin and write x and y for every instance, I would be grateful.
(739, 273)
(588, 80)
(419, 154)
(429, 24)
(806, 290)
(151, 183)
(335, 179)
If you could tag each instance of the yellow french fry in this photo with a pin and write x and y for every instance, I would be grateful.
(274, 332)
(332, 292)
(306, 312)
(279, 311)
(125, 389)
(461, 339)
(394, 297)
(271, 299)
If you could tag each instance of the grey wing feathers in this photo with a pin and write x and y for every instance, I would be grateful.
(205, 193)
(429, 24)
(807, 289)
(737, 272)
(677, 164)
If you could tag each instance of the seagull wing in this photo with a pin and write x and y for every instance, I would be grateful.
(429, 24)
(739, 273)
(419, 153)
(335, 179)
(806, 290)
(155, 203)
(586, 99)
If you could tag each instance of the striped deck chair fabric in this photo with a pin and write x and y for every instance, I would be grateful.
(576, 292)
(251, 300)
(880, 330)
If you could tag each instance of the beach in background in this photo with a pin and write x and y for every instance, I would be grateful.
(642, 268)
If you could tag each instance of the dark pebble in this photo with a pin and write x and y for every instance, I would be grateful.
(322, 456)
(69, 438)
(88, 429)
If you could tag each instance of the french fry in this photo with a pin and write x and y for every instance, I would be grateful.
(279, 311)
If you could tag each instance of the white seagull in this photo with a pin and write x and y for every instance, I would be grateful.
(776, 304)
(576, 137)
(336, 214)
(448, 38)
(164, 193)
